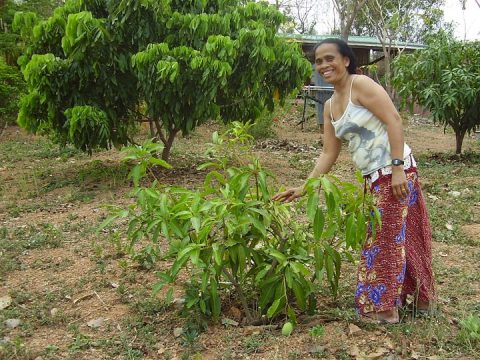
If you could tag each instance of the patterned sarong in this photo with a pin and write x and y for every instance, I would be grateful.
(398, 261)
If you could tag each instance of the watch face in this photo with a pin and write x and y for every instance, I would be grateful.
(397, 162)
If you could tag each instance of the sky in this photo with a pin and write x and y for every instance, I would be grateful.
(467, 21)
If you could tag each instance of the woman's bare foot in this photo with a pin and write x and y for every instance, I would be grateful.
(388, 316)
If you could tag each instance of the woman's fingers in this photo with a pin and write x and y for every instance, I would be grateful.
(286, 196)
(400, 191)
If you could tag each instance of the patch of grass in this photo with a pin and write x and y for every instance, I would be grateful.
(450, 200)
(34, 310)
(303, 162)
(253, 344)
(470, 332)
(41, 148)
(14, 242)
(317, 331)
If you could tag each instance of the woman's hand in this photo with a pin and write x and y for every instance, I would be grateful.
(289, 195)
(399, 183)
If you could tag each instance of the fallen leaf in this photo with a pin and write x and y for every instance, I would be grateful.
(353, 329)
(443, 254)
(415, 355)
(389, 344)
(5, 302)
(353, 351)
(379, 353)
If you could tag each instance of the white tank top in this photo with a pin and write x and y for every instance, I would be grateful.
(366, 135)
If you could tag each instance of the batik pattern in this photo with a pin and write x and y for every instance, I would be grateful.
(396, 258)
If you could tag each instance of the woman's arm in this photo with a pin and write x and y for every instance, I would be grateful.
(331, 149)
(372, 96)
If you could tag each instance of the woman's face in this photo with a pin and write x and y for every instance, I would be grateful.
(330, 64)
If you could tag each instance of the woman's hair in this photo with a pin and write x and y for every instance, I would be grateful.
(343, 49)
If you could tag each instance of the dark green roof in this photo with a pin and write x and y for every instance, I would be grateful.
(354, 41)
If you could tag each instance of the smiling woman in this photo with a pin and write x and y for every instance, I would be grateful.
(396, 259)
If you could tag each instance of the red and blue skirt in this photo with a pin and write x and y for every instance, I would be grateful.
(396, 259)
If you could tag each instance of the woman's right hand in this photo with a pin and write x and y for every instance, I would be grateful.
(289, 195)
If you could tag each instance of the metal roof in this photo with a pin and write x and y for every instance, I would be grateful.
(353, 41)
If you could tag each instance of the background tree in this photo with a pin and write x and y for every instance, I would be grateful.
(348, 11)
(172, 63)
(302, 15)
(394, 21)
(444, 78)
(11, 80)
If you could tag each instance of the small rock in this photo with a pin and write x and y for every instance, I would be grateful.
(317, 350)
(229, 322)
(353, 329)
(96, 323)
(177, 332)
(114, 285)
(449, 226)
(455, 193)
(12, 323)
(179, 303)
(5, 302)
(54, 312)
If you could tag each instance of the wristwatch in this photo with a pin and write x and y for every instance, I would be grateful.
(397, 162)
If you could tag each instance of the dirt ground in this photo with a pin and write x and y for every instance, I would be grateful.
(61, 275)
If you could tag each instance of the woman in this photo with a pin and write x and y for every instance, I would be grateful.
(397, 262)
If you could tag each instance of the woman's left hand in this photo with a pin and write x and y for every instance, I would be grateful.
(399, 183)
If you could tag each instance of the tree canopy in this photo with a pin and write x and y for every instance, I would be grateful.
(96, 67)
(444, 78)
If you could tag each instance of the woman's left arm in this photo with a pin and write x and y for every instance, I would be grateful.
(372, 96)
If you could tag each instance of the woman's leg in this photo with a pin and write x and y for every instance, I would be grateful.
(419, 280)
(382, 267)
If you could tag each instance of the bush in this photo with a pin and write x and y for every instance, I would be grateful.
(11, 87)
(232, 239)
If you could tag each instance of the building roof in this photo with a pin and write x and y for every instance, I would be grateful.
(354, 41)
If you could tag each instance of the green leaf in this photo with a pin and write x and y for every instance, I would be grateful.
(312, 205)
(318, 224)
(351, 231)
(300, 295)
(282, 259)
(215, 299)
(274, 308)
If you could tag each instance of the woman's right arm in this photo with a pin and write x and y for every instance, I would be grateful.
(331, 149)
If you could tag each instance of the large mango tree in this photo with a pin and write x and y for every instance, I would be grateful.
(97, 67)
(445, 79)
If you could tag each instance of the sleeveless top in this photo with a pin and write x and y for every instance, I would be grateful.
(366, 135)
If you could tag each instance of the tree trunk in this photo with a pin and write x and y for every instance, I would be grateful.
(168, 144)
(459, 136)
(166, 137)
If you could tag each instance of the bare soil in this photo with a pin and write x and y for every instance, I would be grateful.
(57, 290)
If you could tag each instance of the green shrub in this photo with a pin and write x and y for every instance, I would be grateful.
(230, 238)
(11, 87)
